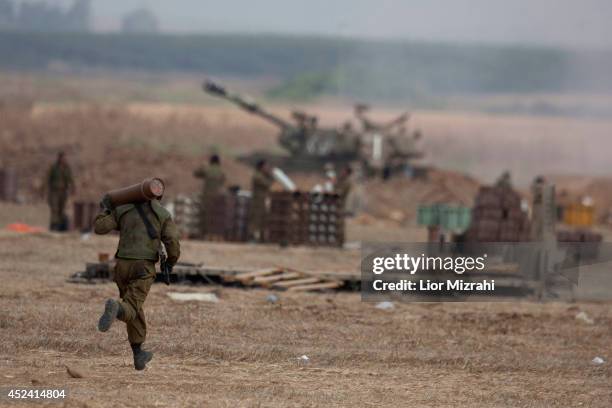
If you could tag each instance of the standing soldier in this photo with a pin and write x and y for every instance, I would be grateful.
(59, 185)
(504, 181)
(214, 180)
(260, 183)
(544, 211)
(543, 217)
(134, 271)
(343, 185)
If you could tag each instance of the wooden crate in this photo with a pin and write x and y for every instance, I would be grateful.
(8, 185)
(84, 214)
(305, 219)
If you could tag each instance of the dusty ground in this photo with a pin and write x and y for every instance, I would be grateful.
(244, 352)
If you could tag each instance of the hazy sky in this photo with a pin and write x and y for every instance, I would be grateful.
(570, 23)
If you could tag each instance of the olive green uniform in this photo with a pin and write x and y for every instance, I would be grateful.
(260, 184)
(59, 184)
(136, 257)
(214, 180)
(343, 188)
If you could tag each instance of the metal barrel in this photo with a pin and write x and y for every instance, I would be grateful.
(8, 185)
(148, 189)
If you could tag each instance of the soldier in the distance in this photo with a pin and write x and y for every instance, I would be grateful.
(135, 258)
(344, 184)
(544, 211)
(504, 181)
(214, 180)
(60, 185)
(260, 183)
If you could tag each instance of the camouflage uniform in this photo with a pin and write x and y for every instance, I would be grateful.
(260, 185)
(136, 257)
(59, 184)
(214, 179)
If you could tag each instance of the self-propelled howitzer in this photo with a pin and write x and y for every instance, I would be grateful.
(302, 138)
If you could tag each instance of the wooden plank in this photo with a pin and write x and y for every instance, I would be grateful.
(343, 276)
(216, 271)
(264, 280)
(251, 275)
(315, 286)
(295, 282)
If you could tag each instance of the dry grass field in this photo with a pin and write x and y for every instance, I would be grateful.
(243, 351)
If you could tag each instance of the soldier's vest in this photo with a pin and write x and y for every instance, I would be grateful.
(134, 241)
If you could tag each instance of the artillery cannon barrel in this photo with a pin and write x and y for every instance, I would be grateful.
(214, 89)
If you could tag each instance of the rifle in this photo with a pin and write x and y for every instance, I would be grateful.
(164, 267)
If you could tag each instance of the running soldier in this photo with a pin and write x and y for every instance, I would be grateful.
(136, 256)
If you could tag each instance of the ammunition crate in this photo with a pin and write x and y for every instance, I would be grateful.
(305, 219)
(225, 219)
(84, 214)
(498, 217)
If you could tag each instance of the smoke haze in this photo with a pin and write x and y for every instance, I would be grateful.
(561, 23)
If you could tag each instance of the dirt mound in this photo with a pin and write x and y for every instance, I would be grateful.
(398, 199)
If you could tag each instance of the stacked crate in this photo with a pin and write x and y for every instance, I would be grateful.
(284, 221)
(305, 219)
(325, 222)
(237, 216)
(579, 235)
(497, 217)
(186, 216)
(226, 217)
(449, 217)
(578, 215)
(216, 218)
(582, 241)
(84, 214)
(8, 185)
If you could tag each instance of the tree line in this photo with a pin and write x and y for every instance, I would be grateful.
(310, 66)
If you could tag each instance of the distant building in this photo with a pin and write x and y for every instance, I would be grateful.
(140, 21)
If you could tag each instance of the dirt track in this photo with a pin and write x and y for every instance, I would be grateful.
(244, 352)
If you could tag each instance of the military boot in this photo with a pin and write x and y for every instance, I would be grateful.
(112, 310)
(141, 357)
